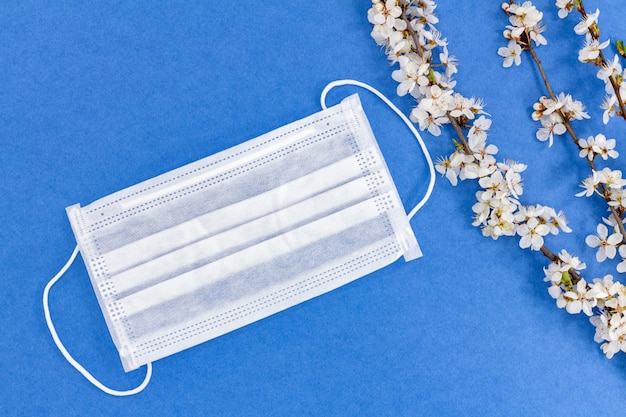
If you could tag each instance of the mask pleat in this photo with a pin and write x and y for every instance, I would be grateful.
(263, 289)
(292, 240)
(215, 246)
(225, 218)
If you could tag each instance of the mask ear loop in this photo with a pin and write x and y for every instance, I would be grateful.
(431, 167)
(64, 351)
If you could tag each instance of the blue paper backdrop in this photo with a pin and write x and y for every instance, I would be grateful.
(98, 96)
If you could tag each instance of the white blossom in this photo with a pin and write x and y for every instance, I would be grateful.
(565, 7)
(387, 14)
(575, 300)
(589, 185)
(433, 39)
(555, 221)
(532, 233)
(461, 107)
(608, 105)
(448, 61)
(604, 147)
(465, 164)
(603, 288)
(586, 148)
(482, 210)
(412, 69)
(610, 323)
(522, 16)
(479, 129)
(494, 185)
(610, 178)
(618, 199)
(584, 25)
(445, 167)
(610, 69)
(554, 274)
(512, 54)
(535, 34)
(607, 245)
(597, 146)
(429, 117)
(571, 262)
(621, 267)
(551, 124)
(573, 109)
(591, 50)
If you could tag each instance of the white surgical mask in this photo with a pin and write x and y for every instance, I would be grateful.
(230, 239)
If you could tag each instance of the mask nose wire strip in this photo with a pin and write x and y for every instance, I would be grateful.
(64, 351)
(431, 167)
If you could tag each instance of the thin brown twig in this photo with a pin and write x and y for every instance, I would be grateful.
(459, 132)
(416, 48)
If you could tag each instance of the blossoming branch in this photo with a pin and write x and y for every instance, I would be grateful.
(610, 72)
(556, 114)
(425, 72)
(408, 32)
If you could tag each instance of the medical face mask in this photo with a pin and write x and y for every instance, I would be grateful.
(230, 239)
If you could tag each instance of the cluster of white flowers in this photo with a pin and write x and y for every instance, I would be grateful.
(610, 72)
(553, 113)
(597, 146)
(525, 26)
(610, 322)
(499, 213)
(406, 29)
(604, 301)
(611, 184)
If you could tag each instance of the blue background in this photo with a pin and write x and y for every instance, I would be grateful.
(97, 96)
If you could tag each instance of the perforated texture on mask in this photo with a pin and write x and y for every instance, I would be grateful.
(224, 318)
(194, 170)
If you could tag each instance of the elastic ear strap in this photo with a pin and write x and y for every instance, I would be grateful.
(67, 355)
(431, 167)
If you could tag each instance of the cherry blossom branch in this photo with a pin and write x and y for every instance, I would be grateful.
(616, 89)
(455, 117)
(407, 30)
(594, 32)
(526, 44)
(610, 71)
(544, 250)
(570, 290)
(541, 70)
(568, 126)
(565, 120)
